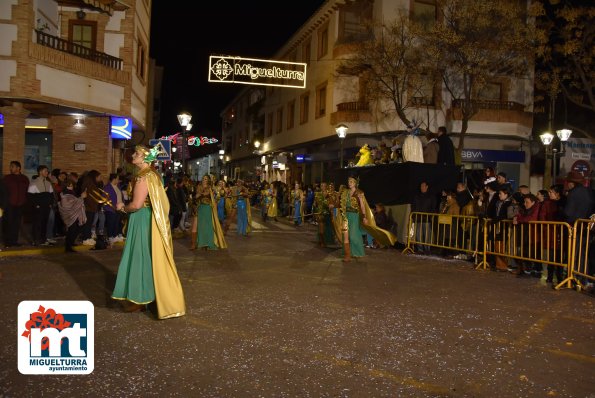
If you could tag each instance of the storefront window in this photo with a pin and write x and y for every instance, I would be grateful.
(38, 151)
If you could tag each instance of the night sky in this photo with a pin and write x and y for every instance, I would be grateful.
(184, 34)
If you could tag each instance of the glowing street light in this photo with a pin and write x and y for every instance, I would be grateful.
(341, 130)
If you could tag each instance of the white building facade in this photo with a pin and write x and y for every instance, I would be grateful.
(296, 127)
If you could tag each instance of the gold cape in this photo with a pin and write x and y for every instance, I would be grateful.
(382, 236)
(217, 231)
(169, 295)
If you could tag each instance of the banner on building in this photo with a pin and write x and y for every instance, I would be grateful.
(257, 71)
(578, 156)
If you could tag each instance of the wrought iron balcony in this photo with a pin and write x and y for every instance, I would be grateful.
(491, 104)
(353, 107)
(69, 47)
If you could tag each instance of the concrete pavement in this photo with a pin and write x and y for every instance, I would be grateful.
(277, 316)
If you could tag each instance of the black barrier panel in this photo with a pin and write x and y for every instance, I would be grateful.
(398, 183)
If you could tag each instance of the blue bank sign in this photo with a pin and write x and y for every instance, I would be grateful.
(121, 128)
(489, 155)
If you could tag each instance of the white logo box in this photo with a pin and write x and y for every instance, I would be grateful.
(53, 321)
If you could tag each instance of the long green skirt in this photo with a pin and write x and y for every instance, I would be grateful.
(135, 273)
(356, 242)
(206, 232)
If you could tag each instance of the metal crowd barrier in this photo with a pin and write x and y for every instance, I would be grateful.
(444, 231)
(544, 242)
(581, 271)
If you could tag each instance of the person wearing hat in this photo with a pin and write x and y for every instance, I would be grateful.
(579, 202)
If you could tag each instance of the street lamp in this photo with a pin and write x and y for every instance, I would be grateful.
(563, 136)
(184, 120)
(341, 130)
(256, 144)
(550, 152)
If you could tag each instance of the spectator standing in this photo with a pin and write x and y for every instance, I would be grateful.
(42, 198)
(446, 152)
(423, 202)
(72, 212)
(503, 182)
(16, 185)
(89, 184)
(529, 236)
(579, 205)
(112, 217)
(183, 201)
(431, 149)
(503, 212)
(550, 211)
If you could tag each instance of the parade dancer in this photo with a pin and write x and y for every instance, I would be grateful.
(273, 206)
(147, 270)
(209, 232)
(265, 200)
(297, 199)
(352, 208)
(323, 216)
(221, 199)
(242, 206)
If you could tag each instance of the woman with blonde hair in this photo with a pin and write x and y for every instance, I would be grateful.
(147, 270)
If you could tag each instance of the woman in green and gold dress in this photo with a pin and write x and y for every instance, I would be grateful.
(352, 207)
(323, 216)
(147, 270)
(210, 234)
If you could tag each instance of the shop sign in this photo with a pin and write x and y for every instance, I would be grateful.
(489, 155)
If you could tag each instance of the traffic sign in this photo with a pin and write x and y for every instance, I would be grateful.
(164, 147)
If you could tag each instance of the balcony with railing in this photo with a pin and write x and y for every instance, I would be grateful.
(357, 111)
(69, 47)
(493, 111)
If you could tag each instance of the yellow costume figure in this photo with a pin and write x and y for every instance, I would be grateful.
(147, 270)
(365, 156)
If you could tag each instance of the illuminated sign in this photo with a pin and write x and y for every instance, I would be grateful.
(1, 119)
(121, 128)
(192, 140)
(257, 71)
(163, 148)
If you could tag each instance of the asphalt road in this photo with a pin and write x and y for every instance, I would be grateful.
(277, 316)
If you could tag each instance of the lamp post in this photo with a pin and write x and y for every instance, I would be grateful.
(553, 153)
(546, 139)
(563, 136)
(184, 120)
(341, 130)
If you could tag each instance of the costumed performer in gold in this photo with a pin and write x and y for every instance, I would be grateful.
(147, 270)
(297, 199)
(323, 216)
(210, 234)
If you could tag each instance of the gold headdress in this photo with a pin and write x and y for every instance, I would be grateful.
(150, 154)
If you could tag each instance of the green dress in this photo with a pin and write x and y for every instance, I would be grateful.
(206, 231)
(135, 273)
(350, 205)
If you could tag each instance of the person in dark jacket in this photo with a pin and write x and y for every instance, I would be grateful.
(579, 201)
(423, 202)
(16, 185)
(446, 151)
